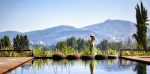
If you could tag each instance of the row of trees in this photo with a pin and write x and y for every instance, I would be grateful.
(80, 44)
(19, 42)
(105, 44)
(74, 43)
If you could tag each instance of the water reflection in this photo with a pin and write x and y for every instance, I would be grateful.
(140, 68)
(46, 66)
(92, 64)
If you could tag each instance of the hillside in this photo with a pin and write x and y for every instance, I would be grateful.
(109, 29)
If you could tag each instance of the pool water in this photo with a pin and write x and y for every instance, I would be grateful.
(48, 66)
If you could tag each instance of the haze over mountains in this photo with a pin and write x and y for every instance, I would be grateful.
(113, 30)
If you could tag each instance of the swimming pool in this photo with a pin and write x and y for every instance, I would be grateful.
(48, 66)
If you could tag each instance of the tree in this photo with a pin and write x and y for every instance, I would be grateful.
(81, 44)
(103, 45)
(115, 45)
(16, 42)
(61, 45)
(21, 42)
(141, 34)
(5, 42)
(71, 42)
(26, 41)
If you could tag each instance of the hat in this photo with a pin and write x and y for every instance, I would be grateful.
(92, 35)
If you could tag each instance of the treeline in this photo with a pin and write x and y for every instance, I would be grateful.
(81, 44)
(105, 44)
(19, 42)
(72, 42)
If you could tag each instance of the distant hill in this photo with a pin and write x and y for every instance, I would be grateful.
(109, 29)
(113, 29)
(11, 34)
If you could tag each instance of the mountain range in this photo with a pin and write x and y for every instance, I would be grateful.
(113, 30)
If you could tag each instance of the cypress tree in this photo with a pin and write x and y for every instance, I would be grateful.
(141, 25)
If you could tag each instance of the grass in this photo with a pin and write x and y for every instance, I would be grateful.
(41, 52)
(69, 51)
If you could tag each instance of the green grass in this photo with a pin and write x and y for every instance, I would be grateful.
(41, 52)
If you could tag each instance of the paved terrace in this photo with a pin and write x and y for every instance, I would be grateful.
(9, 63)
(143, 59)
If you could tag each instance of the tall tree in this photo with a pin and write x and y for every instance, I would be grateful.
(5, 42)
(141, 25)
(26, 41)
(79, 44)
(21, 42)
(16, 42)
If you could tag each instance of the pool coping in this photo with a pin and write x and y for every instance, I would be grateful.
(140, 59)
(10, 63)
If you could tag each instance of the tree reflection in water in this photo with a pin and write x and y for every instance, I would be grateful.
(38, 66)
(141, 68)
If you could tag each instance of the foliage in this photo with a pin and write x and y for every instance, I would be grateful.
(136, 53)
(142, 19)
(81, 44)
(73, 43)
(13, 53)
(41, 51)
(61, 45)
(115, 45)
(86, 51)
(108, 52)
(21, 42)
(104, 45)
(140, 68)
(5, 42)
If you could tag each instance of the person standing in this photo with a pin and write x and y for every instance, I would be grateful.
(92, 43)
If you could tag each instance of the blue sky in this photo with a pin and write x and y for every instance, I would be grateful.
(29, 15)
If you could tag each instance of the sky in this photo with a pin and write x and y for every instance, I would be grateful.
(29, 15)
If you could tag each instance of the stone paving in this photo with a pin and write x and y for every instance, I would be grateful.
(10, 63)
(145, 59)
